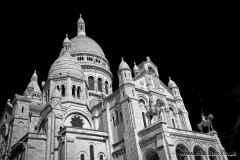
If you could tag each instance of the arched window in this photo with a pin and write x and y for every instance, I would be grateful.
(73, 90)
(22, 109)
(106, 87)
(63, 90)
(142, 103)
(151, 71)
(78, 92)
(91, 83)
(100, 84)
(82, 157)
(113, 121)
(144, 120)
(121, 117)
(125, 75)
(101, 157)
(91, 152)
(117, 121)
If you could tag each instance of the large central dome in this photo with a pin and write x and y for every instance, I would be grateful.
(84, 44)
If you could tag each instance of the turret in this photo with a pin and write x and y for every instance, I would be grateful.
(124, 73)
(172, 85)
(56, 96)
(135, 70)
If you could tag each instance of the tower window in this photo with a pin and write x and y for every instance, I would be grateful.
(91, 152)
(121, 117)
(100, 84)
(22, 109)
(125, 74)
(173, 123)
(91, 83)
(82, 157)
(78, 92)
(101, 157)
(113, 121)
(144, 120)
(73, 90)
(63, 90)
(117, 121)
(106, 87)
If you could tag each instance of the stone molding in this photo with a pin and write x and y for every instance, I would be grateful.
(182, 136)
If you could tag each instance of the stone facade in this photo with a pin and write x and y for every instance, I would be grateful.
(77, 116)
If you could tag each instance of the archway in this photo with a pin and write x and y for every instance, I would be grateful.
(152, 156)
(212, 154)
(181, 152)
(198, 153)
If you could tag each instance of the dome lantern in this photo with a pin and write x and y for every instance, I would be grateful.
(81, 26)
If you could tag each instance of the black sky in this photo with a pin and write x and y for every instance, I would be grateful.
(198, 47)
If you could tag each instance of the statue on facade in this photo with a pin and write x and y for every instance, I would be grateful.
(206, 122)
(151, 110)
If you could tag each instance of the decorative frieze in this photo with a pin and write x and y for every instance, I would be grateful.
(181, 136)
(76, 80)
(145, 142)
(59, 80)
(119, 152)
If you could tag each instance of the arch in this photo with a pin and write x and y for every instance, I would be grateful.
(151, 70)
(82, 153)
(160, 103)
(78, 92)
(106, 87)
(77, 120)
(91, 82)
(73, 90)
(198, 152)
(75, 111)
(181, 148)
(101, 156)
(63, 90)
(212, 153)
(151, 154)
(99, 80)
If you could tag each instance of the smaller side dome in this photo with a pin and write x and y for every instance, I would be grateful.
(34, 76)
(66, 40)
(135, 68)
(123, 65)
(56, 93)
(171, 84)
(30, 85)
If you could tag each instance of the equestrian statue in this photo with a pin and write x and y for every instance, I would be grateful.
(153, 110)
(206, 122)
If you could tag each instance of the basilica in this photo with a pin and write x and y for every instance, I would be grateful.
(76, 115)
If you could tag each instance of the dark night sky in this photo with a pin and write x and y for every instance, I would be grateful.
(197, 48)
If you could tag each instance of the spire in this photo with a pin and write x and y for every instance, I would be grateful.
(34, 76)
(81, 26)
